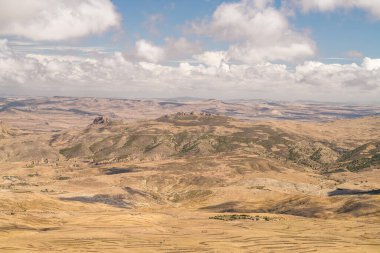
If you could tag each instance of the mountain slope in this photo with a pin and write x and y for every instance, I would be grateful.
(200, 135)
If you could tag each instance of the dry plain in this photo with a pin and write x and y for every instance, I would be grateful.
(187, 176)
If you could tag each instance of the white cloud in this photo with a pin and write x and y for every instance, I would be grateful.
(116, 75)
(148, 51)
(257, 31)
(364, 77)
(371, 64)
(371, 6)
(212, 58)
(53, 20)
(174, 49)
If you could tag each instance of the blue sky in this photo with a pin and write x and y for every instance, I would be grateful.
(341, 31)
(335, 32)
(268, 49)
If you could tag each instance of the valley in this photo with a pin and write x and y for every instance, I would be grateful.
(104, 175)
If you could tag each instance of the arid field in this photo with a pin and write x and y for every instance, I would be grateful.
(113, 175)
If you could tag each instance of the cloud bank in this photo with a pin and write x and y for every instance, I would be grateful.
(212, 76)
(264, 55)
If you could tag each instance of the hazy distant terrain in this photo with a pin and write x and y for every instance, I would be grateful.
(69, 112)
(188, 175)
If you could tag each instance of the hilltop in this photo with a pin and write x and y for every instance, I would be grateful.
(63, 113)
(190, 134)
(199, 135)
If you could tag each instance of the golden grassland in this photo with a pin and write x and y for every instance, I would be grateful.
(187, 183)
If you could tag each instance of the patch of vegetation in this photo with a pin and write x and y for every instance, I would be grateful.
(30, 165)
(188, 147)
(357, 165)
(130, 141)
(274, 136)
(36, 174)
(190, 195)
(112, 200)
(152, 146)
(47, 190)
(63, 178)
(361, 158)
(223, 143)
(339, 170)
(194, 120)
(350, 154)
(316, 156)
(11, 178)
(180, 138)
(353, 206)
(358, 152)
(234, 217)
(292, 155)
(71, 152)
(107, 142)
(23, 183)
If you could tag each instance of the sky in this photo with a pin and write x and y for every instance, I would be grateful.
(289, 50)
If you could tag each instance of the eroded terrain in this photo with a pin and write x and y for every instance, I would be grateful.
(187, 182)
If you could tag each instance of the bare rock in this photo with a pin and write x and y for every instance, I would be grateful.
(101, 120)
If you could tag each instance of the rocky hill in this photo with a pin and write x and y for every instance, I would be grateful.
(186, 135)
(202, 135)
(364, 156)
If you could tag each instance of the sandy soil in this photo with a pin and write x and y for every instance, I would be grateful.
(186, 231)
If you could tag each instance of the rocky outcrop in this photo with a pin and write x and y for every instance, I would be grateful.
(101, 120)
